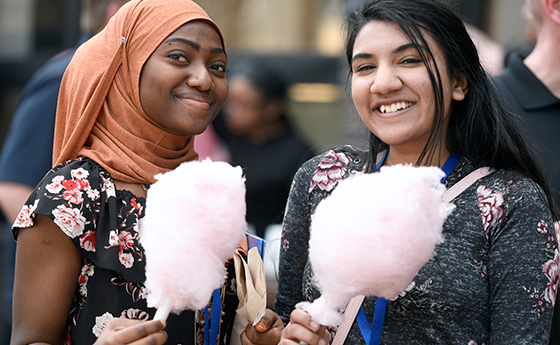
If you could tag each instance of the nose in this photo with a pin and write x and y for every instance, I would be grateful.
(199, 77)
(385, 80)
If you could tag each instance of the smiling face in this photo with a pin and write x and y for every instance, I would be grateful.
(183, 84)
(392, 91)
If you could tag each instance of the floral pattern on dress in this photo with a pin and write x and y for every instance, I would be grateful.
(135, 314)
(550, 269)
(332, 168)
(415, 295)
(70, 220)
(543, 300)
(24, 219)
(100, 323)
(490, 205)
(87, 271)
(136, 291)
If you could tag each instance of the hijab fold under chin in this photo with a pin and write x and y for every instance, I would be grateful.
(99, 112)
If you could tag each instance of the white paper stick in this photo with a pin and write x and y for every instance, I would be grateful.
(163, 312)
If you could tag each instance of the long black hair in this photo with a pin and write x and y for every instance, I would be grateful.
(481, 127)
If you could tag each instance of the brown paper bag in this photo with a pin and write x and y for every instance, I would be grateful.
(251, 291)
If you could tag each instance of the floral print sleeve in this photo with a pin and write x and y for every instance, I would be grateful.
(522, 259)
(76, 195)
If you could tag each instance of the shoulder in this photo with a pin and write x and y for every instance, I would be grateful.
(74, 182)
(515, 188)
(508, 184)
(504, 192)
(51, 72)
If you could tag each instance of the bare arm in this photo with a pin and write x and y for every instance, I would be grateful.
(46, 273)
(12, 197)
(47, 270)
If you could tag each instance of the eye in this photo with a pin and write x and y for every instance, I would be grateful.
(411, 60)
(218, 67)
(363, 68)
(179, 57)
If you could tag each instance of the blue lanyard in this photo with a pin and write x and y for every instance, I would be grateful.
(216, 311)
(372, 335)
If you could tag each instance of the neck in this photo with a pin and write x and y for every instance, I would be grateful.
(399, 157)
(137, 189)
(544, 60)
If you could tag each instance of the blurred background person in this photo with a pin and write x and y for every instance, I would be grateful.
(27, 151)
(259, 137)
(531, 83)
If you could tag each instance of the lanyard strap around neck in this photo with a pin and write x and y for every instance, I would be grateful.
(372, 335)
(214, 322)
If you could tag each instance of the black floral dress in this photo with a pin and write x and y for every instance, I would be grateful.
(494, 279)
(80, 197)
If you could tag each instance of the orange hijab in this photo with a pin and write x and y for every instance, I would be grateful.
(99, 112)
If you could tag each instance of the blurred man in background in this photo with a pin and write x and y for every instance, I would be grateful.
(531, 84)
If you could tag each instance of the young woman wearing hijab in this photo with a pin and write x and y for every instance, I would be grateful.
(130, 103)
(419, 87)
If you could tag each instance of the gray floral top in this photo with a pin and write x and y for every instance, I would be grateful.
(494, 279)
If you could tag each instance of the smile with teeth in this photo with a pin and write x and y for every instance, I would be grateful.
(394, 107)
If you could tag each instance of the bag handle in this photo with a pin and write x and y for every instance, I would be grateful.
(355, 302)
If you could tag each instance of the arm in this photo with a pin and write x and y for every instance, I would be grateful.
(522, 267)
(47, 269)
(294, 243)
(12, 197)
(27, 151)
(293, 257)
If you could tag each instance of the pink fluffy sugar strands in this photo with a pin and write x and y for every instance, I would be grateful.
(373, 234)
(195, 219)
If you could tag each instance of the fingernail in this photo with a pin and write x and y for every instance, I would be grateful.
(314, 325)
(260, 327)
(322, 342)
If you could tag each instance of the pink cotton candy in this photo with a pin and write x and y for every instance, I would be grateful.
(372, 235)
(195, 219)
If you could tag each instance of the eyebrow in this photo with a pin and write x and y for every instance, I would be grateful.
(395, 51)
(194, 45)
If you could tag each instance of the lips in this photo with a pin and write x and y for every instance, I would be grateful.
(195, 101)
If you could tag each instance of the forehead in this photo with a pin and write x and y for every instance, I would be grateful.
(385, 36)
(199, 31)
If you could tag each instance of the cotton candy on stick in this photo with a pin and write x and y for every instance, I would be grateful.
(372, 235)
(194, 221)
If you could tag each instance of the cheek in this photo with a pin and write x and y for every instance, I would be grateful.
(221, 90)
(360, 94)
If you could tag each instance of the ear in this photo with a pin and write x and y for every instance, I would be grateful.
(460, 88)
(552, 9)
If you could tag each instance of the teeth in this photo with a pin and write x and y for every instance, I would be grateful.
(394, 107)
